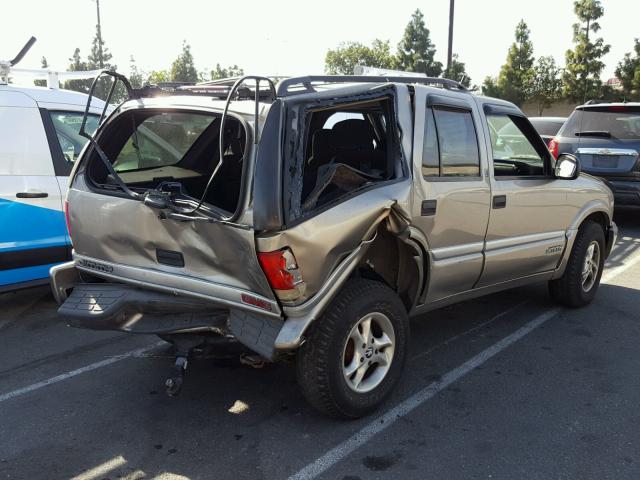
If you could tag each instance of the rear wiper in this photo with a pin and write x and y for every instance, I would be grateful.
(593, 133)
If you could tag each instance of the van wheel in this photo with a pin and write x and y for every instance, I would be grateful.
(580, 281)
(354, 353)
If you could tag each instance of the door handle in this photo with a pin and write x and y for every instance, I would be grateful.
(428, 208)
(499, 201)
(32, 194)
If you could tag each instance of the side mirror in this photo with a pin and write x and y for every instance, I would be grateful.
(567, 167)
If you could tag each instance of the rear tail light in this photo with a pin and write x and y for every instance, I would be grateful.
(66, 217)
(283, 274)
(553, 147)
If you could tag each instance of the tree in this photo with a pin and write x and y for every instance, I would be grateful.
(416, 51)
(183, 68)
(583, 63)
(457, 71)
(490, 87)
(231, 71)
(158, 76)
(44, 64)
(136, 77)
(348, 55)
(76, 65)
(100, 56)
(628, 71)
(516, 74)
(546, 84)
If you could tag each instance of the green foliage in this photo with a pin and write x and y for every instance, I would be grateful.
(583, 63)
(546, 85)
(136, 77)
(183, 68)
(43, 64)
(76, 65)
(347, 56)
(416, 51)
(457, 71)
(490, 87)
(516, 74)
(628, 71)
(100, 55)
(231, 71)
(159, 76)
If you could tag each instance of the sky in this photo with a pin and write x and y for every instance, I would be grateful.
(286, 37)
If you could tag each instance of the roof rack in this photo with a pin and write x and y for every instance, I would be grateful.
(305, 84)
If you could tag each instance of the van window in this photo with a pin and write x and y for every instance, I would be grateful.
(67, 127)
(348, 147)
(150, 147)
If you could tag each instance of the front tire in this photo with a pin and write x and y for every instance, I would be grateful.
(580, 281)
(355, 352)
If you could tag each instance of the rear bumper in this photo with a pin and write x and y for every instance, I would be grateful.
(135, 309)
(626, 192)
(611, 238)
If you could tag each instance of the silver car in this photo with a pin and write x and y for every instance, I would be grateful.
(312, 220)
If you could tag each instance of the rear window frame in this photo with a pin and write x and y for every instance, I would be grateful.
(564, 130)
(89, 156)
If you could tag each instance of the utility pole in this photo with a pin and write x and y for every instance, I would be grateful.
(99, 33)
(450, 51)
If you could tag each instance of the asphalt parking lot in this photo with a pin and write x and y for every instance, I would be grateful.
(507, 386)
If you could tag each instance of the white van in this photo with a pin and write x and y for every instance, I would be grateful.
(39, 142)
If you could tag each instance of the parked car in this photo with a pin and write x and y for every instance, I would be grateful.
(309, 222)
(606, 139)
(547, 127)
(39, 143)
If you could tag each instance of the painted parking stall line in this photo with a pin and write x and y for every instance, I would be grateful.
(79, 371)
(381, 423)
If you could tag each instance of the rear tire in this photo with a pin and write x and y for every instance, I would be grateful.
(354, 354)
(580, 281)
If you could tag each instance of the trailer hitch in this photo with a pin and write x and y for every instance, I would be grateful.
(184, 346)
(173, 384)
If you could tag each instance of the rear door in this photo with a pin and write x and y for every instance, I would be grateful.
(452, 191)
(33, 234)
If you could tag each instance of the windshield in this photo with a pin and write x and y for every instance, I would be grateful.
(615, 122)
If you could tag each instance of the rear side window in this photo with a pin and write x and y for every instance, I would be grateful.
(347, 147)
(619, 122)
(450, 144)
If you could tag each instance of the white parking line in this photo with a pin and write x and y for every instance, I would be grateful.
(78, 371)
(344, 449)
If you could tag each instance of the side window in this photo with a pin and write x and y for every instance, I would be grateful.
(450, 144)
(514, 153)
(67, 127)
(348, 147)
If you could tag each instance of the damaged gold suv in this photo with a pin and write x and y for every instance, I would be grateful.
(310, 219)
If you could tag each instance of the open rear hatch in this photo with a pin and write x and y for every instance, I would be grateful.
(157, 202)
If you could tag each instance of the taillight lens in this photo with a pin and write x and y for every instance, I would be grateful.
(553, 147)
(283, 274)
(66, 217)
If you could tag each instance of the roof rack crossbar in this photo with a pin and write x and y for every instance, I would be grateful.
(307, 81)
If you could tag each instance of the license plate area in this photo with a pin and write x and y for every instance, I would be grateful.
(605, 161)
